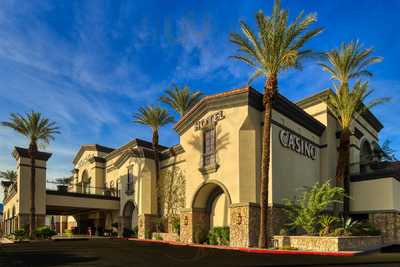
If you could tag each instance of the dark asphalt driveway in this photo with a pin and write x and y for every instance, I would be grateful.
(104, 252)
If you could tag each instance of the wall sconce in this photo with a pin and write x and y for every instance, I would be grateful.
(185, 220)
(239, 219)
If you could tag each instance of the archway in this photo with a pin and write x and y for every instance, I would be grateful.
(85, 183)
(365, 156)
(129, 214)
(212, 201)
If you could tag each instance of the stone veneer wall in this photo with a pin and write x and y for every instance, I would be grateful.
(145, 225)
(195, 224)
(330, 244)
(244, 227)
(245, 221)
(244, 230)
(389, 224)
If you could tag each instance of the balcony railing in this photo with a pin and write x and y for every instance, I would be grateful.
(83, 189)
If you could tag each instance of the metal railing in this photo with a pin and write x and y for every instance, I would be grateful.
(83, 189)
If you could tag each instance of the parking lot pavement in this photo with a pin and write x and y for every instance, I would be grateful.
(103, 252)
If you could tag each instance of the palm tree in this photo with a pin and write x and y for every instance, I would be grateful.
(181, 99)
(9, 175)
(275, 48)
(37, 129)
(155, 117)
(348, 62)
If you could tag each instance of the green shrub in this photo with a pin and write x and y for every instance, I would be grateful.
(368, 229)
(115, 225)
(44, 232)
(158, 237)
(219, 236)
(129, 232)
(20, 234)
(304, 212)
(176, 225)
(327, 224)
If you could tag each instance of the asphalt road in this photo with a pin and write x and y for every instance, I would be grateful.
(132, 253)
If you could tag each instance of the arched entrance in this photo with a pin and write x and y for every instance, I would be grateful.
(129, 214)
(211, 203)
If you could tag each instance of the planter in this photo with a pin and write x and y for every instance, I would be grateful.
(165, 236)
(329, 244)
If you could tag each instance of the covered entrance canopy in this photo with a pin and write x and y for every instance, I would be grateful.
(70, 203)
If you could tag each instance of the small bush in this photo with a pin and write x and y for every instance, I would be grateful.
(158, 237)
(176, 225)
(44, 232)
(20, 234)
(219, 236)
(115, 225)
(327, 223)
(129, 233)
(304, 211)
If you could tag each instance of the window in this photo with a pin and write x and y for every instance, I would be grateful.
(129, 187)
(209, 147)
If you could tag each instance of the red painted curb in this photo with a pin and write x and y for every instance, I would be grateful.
(250, 250)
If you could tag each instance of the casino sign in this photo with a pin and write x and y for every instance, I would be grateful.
(298, 144)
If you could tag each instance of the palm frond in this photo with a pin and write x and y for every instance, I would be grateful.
(33, 126)
(152, 116)
(277, 45)
(9, 175)
(181, 99)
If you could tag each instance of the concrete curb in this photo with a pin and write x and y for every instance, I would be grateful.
(251, 250)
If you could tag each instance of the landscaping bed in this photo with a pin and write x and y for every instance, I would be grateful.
(329, 243)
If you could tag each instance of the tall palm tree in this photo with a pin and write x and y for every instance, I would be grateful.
(155, 117)
(350, 61)
(9, 175)
(37, 129)
(278, 46)
(181, 99)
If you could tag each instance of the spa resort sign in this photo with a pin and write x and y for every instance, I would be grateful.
(210, 121)
(298, 144)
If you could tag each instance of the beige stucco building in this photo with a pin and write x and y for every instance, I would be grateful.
(215, 171)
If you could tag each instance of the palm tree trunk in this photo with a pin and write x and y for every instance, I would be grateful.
(157, 167)
(32, 153)
(342, 169)
(269, 95)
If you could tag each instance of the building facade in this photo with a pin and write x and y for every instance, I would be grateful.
(214, 171)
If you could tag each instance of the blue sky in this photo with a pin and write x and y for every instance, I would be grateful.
(88, 65)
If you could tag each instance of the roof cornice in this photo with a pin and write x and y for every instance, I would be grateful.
(323, 96)
(91, 147)
(23, 152)
(248, 96)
